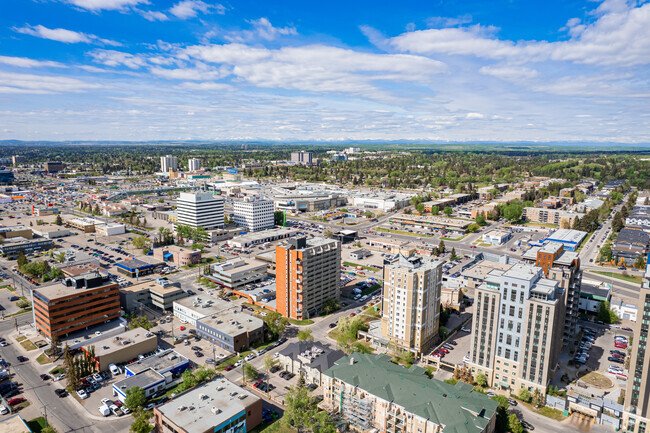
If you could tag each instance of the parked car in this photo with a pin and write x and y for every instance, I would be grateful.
(15, 401)
(82, 394)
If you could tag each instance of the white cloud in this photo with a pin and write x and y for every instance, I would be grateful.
(474, 116)
(206, 86)
(110, 5)
(191, 8)
(42, 84)
(618, 36)
(117, 58)
(63, 35)
(448, 21)
(262, 29)
(197, 73)
(510, 73)
(154, 16)
(24, 62)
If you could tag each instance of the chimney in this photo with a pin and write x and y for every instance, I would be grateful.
(351, 360)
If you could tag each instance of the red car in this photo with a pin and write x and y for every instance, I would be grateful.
(229, 367)
(258, 383)
(620, 345)
(182, 328)
(15, 401)
(443, 350)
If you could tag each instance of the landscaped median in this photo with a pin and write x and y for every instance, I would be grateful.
(636, 279)
(402, 232)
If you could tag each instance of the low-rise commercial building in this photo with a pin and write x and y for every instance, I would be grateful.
(51, 232)
(497, 237)
(459, 225)
(219, 406)
(121, 348)
(309, 359)
(360, 254)
(571, 239)
(237, 273)
(262, 237)
(180, 256)
(149, 380)
(8, 232)
(13, 246)
(371, 393)
(135, 268)
(232, 330)
(81, 268)
(593, 295)
(161, 293)
(76, 303)
(195, 308)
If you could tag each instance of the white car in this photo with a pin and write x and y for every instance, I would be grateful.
(106, 401)
(465, 329)
(249, 357)
(98, 377)
(3, 410)
(4, 344)
(97, 333)
(82, 394)
(115, 370)
(60, 376)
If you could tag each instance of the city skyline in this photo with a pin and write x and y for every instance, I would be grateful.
(140, 70)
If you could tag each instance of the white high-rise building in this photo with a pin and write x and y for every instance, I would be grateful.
(194, 164)
(200, 210)
(411, 303)
(254, 213)
(168, 162)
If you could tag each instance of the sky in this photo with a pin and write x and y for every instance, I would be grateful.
(335, 71)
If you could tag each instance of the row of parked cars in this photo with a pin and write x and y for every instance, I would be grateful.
(444, 349)
(582, 353)
(618, 355)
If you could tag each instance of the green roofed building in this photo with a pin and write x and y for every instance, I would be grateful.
(372, 392)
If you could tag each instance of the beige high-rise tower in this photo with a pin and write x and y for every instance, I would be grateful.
(411, 303)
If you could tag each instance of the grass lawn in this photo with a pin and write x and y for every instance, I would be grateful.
(22, 405)
(630, 278)
(43, 359)
(28, 345)
(36, 424)
(370, 311)
(597, 380)
(21, 338)
(401, 232)
(584, 241)
(292, 321)
(57, 370)
(456, 239)
(546, 225)
(367, 268)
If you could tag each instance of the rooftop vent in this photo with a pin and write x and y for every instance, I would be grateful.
(215, 410)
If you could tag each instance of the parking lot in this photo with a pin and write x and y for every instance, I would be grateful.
(601, 349)
(7, 305)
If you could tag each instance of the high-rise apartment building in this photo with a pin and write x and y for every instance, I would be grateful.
(637, 395)
(194, 164)
(74, 304)
(517, 328)
(564, 267)
(167, 163)
(254, 214)
(200, 210)
(411, 303)
(307, 274)
(302, 157)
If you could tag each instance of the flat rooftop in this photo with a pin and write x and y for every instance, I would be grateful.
(482, 268)
(569, 236)
(202, 303)
(499, 233)
(157, 362)
(59, 290)
(133, 263)
(141, 379)
(115, 343)
(208, 405)
(150, 285)
(233, 323)
(238, 265)
(263, 235)
(566, 258)
(82, 268)
(521, 271)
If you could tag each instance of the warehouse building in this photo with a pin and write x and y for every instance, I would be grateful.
(121, 348)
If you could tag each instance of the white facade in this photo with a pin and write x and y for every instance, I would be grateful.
(496, 237)
(194, 164)
(110, 229)
(168, 162)
(254, 214)
(200, 210)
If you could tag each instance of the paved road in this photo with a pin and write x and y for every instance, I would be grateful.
(65, 414)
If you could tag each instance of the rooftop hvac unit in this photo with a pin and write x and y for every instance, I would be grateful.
(215, 410)
(202, 396)
(243, 396)
(234, 393)
(220, 388)
(181, 408)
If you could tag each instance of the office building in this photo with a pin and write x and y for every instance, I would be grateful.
(6, 177)
(194, 164)
(13, 246)
(564, 267)
(550, 216)
(254, 214)
(122, 348)
(8, 232)
(517, 329)
(74, 304)
(200, 210)
(411, 303)
(231, 330)
(179, 256)
(637, 395)
(168, 163)
(374, 394)
(161, 293)
(237, 273)
(302, 157)
(195, 308)
(54, 167)
(307, 275)
(218, 406)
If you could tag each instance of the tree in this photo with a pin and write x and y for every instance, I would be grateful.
(22, 259)
(48, 429)
(55, 345)
(524, 395)
(278, 218)
(140, 242)
(305, 335)
(71, 372)
(250, 372)
(453, 255)
(473, 228)
(606, 252)
(606, 314)
(447, 211)
(135, 398)
(276, 323)
(141, 322)
(330, 306)
(302, 413)
(441, 247)
(514, 425)
(141, 422)
(268, 362)
(349, 328)
(58, 221)
(538, 398)
(435, 210)
(480, 220)
(327, 234)
(481, 380)
(189, 380)
(420, 208)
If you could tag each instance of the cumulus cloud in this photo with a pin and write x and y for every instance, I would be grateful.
(262, 30)
(63, 35)
(24, 62)
(510, 73)
(117, 58)
(618, 36)
(154, 16)
(42, 84)
(109, 5)
(191, 8)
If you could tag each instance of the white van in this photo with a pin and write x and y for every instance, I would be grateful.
(115, 370)
(104, 410)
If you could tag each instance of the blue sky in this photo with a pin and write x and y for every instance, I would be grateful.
(329, 71)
